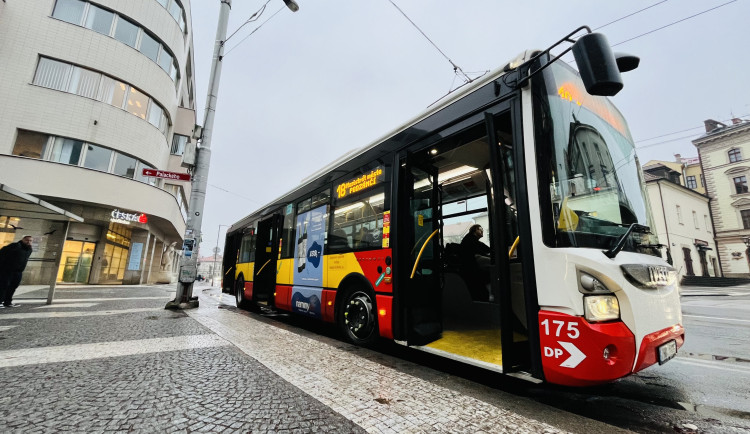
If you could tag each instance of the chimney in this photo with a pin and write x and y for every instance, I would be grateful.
(736, 121)
(712, 125)
(678, 158)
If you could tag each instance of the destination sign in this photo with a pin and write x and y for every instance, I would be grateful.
(363, 182)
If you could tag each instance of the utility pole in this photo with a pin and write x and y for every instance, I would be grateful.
(189, 263)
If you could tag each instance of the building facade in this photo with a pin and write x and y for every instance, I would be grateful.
(683, 223)
(724, 152)
(93, 93)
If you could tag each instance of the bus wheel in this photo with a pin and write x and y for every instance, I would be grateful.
(358, 319)
(239, 293)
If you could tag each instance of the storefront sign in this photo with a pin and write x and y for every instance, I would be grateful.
(362, 183)
(176, 176)
(125, 218)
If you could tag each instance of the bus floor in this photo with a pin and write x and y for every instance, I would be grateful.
(471, 329)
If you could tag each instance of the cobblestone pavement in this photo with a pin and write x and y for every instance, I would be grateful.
(113, 359)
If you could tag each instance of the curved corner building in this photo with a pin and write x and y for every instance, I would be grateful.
(92, 93)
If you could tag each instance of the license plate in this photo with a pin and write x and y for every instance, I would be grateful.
(667, 351)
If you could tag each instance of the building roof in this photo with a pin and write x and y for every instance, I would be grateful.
(721, 129)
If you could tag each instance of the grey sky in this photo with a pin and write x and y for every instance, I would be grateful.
(309, 86)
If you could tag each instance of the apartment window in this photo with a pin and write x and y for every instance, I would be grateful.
(178, 144)
(70, 11)
(84, 82)
(97, 158)
(691, 182)
(124, 166)
(67, 151)
(99, 20)
(735, 155)
(126, 32)
(740, 184)
(705, 220)
(155, 115)
(112, 92)
(679, 215)
(52, 74)
(30, 144)
(137, 103)
(150, 47)
(695, 220)
(165, 61)
(745, 213)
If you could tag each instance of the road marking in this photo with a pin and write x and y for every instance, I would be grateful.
(66, 305)
(716, 318)
(100, 350)
(712, 364)
(39, 315)
(87, 300)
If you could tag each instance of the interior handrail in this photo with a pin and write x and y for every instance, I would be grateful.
(261, 268)
(513, 247)
(419, 256)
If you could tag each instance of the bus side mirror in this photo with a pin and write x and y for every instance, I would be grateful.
(597, 65)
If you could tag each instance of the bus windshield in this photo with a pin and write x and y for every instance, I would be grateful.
(592, 172)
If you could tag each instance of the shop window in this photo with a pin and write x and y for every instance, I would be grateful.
(30, 144)
(358, 223)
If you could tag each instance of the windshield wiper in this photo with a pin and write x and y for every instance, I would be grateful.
(611, 253)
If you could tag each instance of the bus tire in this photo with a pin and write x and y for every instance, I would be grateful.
(358, 318)
(239, 293)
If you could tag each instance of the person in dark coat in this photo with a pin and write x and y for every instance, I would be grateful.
(475, 258)
(13, 259)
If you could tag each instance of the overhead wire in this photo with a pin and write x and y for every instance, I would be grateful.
(255, 29)
(630, 15)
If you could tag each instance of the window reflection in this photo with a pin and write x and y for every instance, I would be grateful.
(97, 158)
(137, 103)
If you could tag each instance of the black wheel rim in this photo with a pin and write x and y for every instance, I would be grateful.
(359, 318)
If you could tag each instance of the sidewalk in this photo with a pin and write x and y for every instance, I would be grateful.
(731, 291)
(112, 358)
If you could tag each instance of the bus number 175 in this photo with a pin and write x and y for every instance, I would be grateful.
(571, 329)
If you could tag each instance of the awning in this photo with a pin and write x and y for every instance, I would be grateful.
(14, 203)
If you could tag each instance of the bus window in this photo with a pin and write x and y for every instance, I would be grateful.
(247, 247)
(287, 233)
(358, 223)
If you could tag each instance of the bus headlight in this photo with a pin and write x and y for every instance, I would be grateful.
(601, 307)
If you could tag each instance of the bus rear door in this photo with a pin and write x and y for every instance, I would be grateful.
(266, 255)
(419, 250)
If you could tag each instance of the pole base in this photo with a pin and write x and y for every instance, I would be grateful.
(174, 305)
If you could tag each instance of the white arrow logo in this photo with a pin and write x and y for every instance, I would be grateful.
(576, 356)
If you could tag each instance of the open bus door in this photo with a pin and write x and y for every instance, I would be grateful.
(229, 262)
(420, 268)
(266, 255)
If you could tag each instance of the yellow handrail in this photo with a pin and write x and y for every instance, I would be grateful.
(419, 256)
(513, 247)
(261, 268)
(230, 269)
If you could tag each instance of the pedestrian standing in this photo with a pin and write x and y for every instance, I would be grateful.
(13, 259)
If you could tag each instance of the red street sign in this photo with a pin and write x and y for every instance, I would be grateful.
(168, 175)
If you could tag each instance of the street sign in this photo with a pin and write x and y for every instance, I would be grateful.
(168, 175)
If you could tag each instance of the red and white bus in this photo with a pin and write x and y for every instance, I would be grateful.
(565, 285)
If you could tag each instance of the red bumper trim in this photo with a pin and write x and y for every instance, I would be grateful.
(648, 354)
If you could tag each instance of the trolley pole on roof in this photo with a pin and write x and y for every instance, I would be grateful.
(189, 263)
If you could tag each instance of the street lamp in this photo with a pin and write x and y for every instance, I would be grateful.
(216, 250)
(188, 265)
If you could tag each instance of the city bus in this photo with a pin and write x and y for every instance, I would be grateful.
(505, 227)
